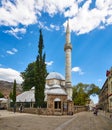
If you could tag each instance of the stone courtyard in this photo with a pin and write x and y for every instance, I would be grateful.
(79, 121)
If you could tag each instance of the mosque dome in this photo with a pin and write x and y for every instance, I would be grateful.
(55, 75)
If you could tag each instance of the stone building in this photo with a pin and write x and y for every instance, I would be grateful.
(105, 95)
(58, 101)
(58, 90)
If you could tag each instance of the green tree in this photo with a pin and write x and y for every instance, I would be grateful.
(82, 93)
(29, 77)
(11, 95)
(80, 96)
(14, 92)
(93, 89)
(40, 74)
(1, 95)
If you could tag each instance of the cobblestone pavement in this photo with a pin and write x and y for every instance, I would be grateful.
(89, 121)
(24, 121)
(79, 121)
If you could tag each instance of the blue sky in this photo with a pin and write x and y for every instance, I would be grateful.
(91, 33)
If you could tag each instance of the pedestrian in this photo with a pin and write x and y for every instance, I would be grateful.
(96, 111)
(21, 108)
(14, 108)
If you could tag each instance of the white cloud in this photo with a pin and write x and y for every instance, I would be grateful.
(53, 7)
(42, 25)
(87, 19)
(83, 18)
(79, 1)
(77, 70)
(8, 74)
(16, 31)
(72, 11)
(54, 27)
(49, 63)
(18, 12)
(12, 52)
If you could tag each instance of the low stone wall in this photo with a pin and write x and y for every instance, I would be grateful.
(39, 111)
(45, 111)
(79, 109)
(107, 115)
(30, 110)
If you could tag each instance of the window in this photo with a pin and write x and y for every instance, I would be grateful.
(65, 106)
(57, 104)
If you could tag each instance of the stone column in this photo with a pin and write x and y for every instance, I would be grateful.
(68, 49)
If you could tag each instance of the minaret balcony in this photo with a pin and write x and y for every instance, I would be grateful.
(67, 46)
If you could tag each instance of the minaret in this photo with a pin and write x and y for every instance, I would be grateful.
(68, 49)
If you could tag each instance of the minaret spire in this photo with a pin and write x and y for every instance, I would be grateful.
(68, 49)
(68, 33)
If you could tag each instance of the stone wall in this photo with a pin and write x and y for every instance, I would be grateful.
(50, 103)
(39, 111)
(45, 111)
(79, 109)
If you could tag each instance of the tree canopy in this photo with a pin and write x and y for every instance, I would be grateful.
(29, 76)
(14, 92)
(82, 93)
(40, 73)
(35, 74)
(1, 95)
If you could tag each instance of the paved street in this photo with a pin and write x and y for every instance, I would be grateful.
(79, 121)
(88, 121)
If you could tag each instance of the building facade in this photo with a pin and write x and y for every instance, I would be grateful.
(56, 96)
(109, 76)
(105, 95)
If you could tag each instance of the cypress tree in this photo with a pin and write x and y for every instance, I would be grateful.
(40, 74)
(14, 92)
(11, 95)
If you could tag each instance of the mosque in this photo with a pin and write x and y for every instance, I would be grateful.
(58, 90)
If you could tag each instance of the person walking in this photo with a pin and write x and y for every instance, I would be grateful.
(96, 111)
(14, 108)
(21, 108)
